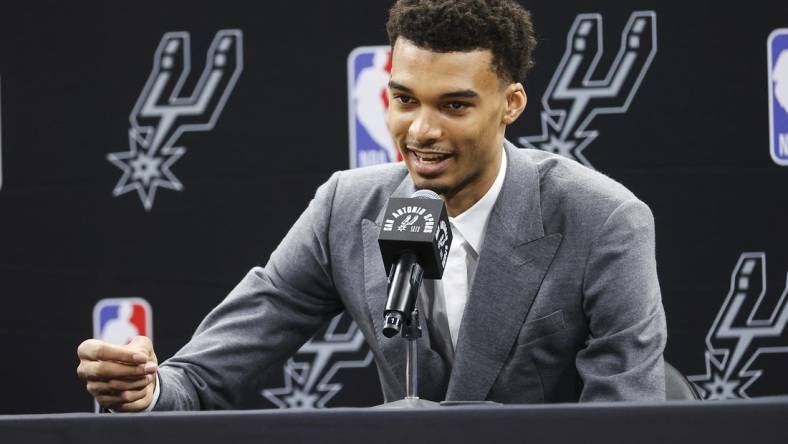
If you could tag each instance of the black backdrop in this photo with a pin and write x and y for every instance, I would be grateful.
(693, 144)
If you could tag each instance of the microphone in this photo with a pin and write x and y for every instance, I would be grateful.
(414, 242)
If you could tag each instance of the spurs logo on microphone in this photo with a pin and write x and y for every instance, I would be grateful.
(575, 95)
(442, 235)
(163, 113)
(405, 218)
(309, 376)
(743, 330)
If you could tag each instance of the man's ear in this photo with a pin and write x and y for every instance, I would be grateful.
(515, 102)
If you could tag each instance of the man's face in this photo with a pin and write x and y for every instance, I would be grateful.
(447, 115)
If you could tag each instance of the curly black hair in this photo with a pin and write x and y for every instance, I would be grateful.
(502, 26)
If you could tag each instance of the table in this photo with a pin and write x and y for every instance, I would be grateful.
(757, 421)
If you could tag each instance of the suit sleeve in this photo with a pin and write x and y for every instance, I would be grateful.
(622, 359)
(263, 320)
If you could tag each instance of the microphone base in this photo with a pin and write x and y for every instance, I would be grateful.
(408, 404)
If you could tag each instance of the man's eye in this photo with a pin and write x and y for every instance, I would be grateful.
(405, 100)
(457, 106)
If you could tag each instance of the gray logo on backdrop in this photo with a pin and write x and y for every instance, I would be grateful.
(573, 98)
(162, 113)
(742, 331)
(309, 376)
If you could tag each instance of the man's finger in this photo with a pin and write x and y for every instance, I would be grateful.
(109, 401)
(136, 406)
(117, 401)
(132, 395)
(115, 386)
(106, 370)
(96, 350)
(144, 344)
(151, 377)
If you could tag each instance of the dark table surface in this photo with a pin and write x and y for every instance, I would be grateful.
(757, 421)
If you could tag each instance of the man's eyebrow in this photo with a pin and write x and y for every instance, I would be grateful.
(461, 94)
(399, 86)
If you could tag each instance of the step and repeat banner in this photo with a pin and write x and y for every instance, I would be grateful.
(152, 152)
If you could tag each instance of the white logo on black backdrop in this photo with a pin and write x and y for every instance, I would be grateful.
(742, 332)
(162, 114)
(573, 98)
(309, 375)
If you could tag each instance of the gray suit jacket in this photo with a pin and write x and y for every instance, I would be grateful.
(565, 304)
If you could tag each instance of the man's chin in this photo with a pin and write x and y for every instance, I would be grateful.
(436, 185)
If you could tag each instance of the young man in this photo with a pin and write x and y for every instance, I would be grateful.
(551, 291)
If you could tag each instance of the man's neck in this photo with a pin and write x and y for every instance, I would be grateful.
(469, 194)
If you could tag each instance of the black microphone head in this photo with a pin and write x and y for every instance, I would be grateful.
(420, 224)
(425, 194)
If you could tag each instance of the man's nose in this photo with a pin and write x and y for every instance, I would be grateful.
(425, 128)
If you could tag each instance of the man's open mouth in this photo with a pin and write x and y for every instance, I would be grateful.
(429, 163)
(430, 157)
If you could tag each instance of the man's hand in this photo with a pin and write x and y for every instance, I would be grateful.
(120, 377)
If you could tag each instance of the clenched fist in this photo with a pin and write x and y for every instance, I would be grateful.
(120, 377)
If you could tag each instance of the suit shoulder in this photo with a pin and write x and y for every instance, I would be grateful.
(366, 189)
(566, 186)
(558, 174)
(370, 180)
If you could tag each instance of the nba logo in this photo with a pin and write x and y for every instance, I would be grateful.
(368, 69)
(778, 95)
(119, 320)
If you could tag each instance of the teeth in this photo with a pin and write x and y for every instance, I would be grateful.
(430, 157)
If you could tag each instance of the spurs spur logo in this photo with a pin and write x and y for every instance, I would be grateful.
(410, 220)
(406, 217)
(443, 241)
(742, 331)
(574, 98)
(309, 376)
(162, 114)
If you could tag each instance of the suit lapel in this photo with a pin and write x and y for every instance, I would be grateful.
(512, 264)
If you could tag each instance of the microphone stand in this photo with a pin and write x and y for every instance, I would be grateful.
(411, 333)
